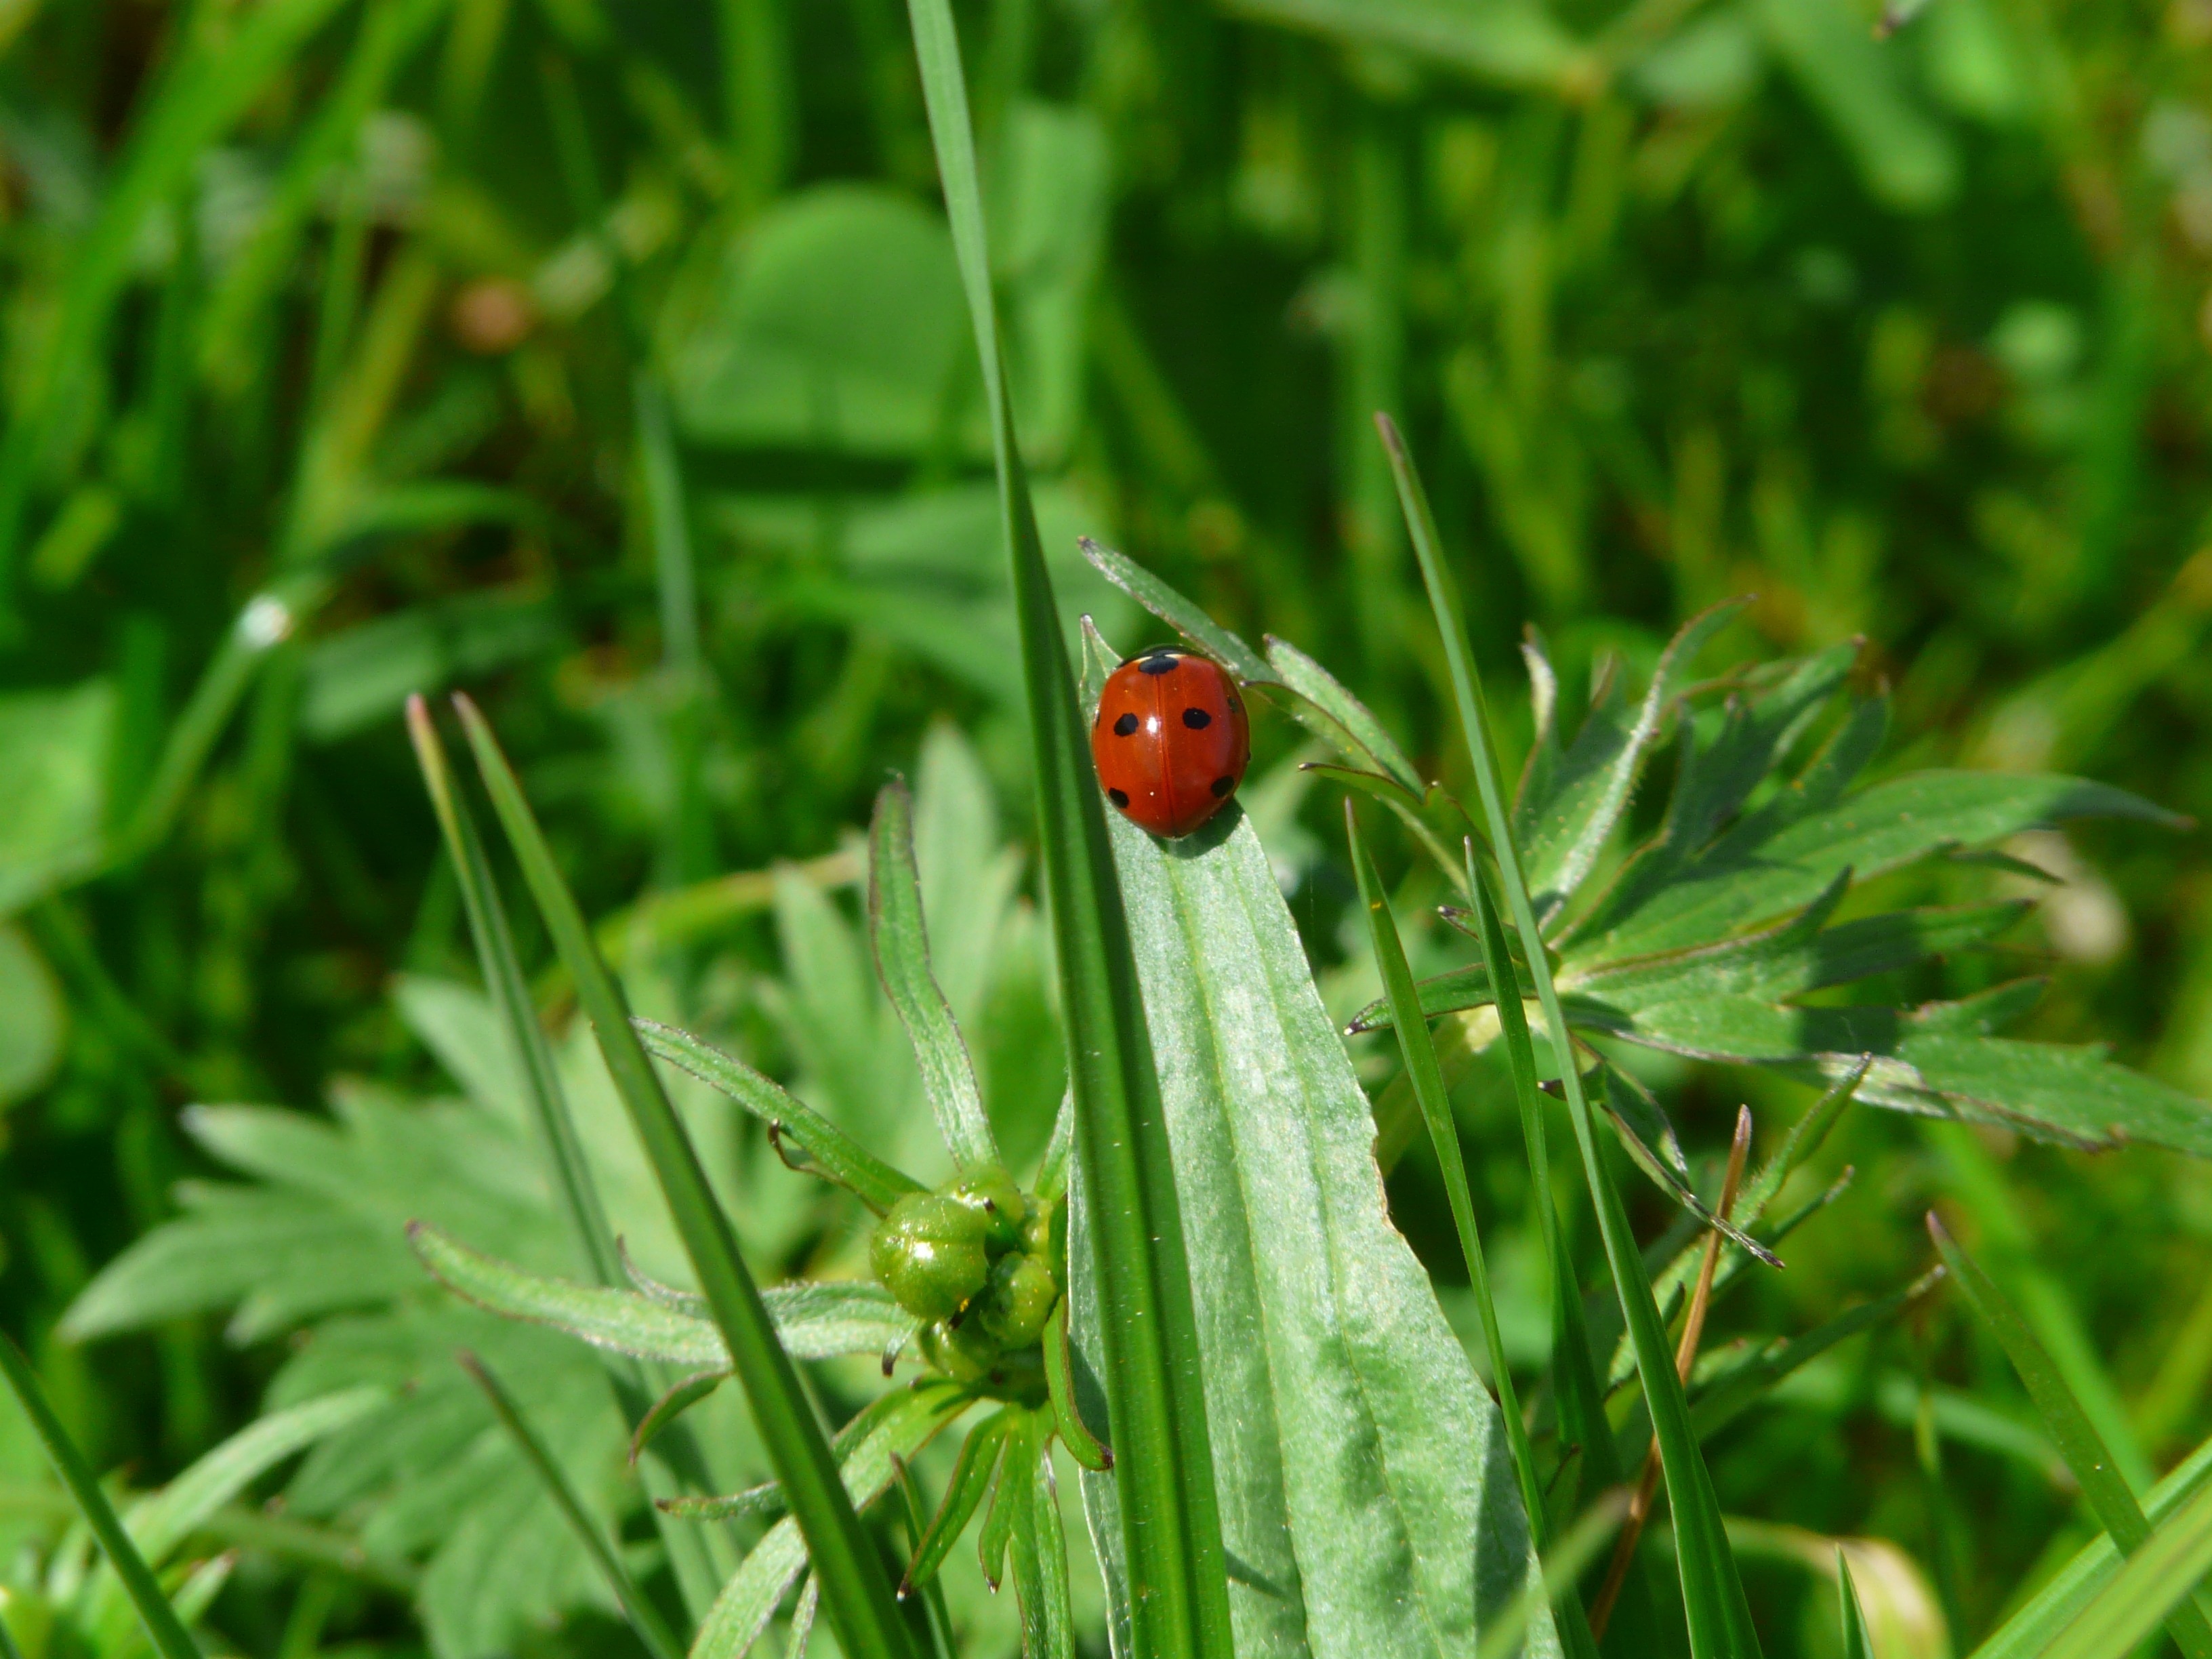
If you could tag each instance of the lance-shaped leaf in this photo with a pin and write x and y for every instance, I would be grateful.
(1325, 707)
(836, 1155)
(913, 1418)
(1857, 1643)
(902, 951)
(1035, 1544)
(1357, 1453)
(1157, 1405)
(862, 1609)
(1059, 1389)
(1719, 1617)
(678, 1398)
(814, 1320)
(2103, 1486)
(965, 1489)
(1180, 614)
(1572, 804)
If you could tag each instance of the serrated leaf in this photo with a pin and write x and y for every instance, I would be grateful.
(1569, 807)
(1356, 1450)
(813, 1320)
(754, 1592)
(900, 945)
(1180, 614)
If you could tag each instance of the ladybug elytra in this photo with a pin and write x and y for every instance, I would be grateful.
(1170, 741)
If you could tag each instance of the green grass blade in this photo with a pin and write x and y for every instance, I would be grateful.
(1171, 1523)
(896, 930)
(644, 1618)
(1857, 1643)
(678, 1452)
(2104, 1488)
(1420, 1053)
(2154, 1585)
(163, 1628)
(857, 1594)
(1719, 1617)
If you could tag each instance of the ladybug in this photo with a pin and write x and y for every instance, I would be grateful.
(1170, 741)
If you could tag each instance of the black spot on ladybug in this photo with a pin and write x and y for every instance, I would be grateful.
(1160, 662)
(1223, 785)
(1126, 725)
(1119, 797)
(1197, 718)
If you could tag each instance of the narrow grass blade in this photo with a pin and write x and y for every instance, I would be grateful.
(896, 929)
(163, 1628)
(1719, 1617)
(2095, 1564)
(1180, 614)
(1054, 1596)
(644, 1618)
(2154, 1585)
(861, 1607)
(1171, 1523)
(933, 1594)
(836, 1155)
(1857, 1643)
(1420, 1055)
(676, 1399)
(681, 1461)
(2106, 1491)
(1564, 1564)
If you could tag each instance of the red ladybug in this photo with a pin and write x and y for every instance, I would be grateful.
(1170, 741)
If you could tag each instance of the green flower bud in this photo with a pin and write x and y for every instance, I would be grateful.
(963, 1352)
(1017, 1301)
(929, 1254)
(991, 1193)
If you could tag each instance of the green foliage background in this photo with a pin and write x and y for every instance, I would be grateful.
(613, 362)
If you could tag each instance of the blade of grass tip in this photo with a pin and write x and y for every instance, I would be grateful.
(1155, 1400)
(2155, 1583)
(1857, 1643)
(1420, 1055)
(858, 1594)
(163, 1628)
(916, 1514)
(2109, 1498)
(689, 1555)
(1717, 1613)
(644, 1618)
(1685, 1356)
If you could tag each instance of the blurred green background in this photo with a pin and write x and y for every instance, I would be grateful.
(610, 361)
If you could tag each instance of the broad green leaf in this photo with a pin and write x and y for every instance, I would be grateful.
(2031, 1631)
(1719, 1618)
(1142, 1272)
(901, 942)
(859, 1598)
(754, 1592)
(839, 1157)
(1357, 1453)
(813, 1320)
(1180, 614)
(54, 751)
(1570, 807)
(834, 325)
(2104, 1488)
(2155, 1584)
